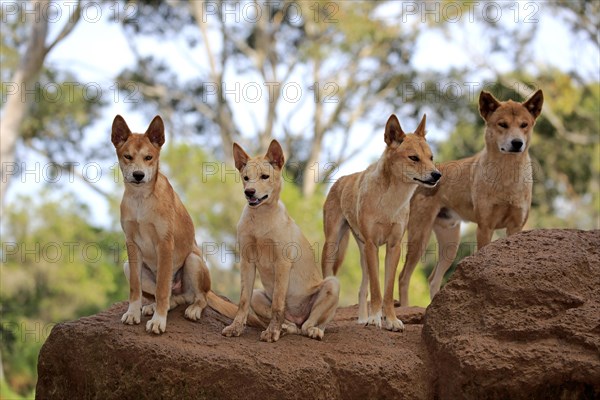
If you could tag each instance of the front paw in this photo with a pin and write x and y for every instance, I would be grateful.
(271, 334)
(131, 317)
(375, 320)
(157, 325)
(393, 324)
(235, 329)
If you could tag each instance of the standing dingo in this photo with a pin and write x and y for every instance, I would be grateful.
(374, 205)
(492, 188)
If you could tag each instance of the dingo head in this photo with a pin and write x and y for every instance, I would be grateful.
(138, 153)
(261, 175)
(509, 123)
(408, 156)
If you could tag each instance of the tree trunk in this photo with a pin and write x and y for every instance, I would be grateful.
(16, 105)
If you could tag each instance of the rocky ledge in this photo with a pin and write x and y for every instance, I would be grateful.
(519, 319)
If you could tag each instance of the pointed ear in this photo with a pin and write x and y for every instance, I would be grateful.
(421, 128)
(393, 131)
(120, 131)
(156, 132)
(239, 157)
(487, 104)
(275, 154)
(534, 104)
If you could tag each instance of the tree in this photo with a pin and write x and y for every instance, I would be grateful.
(55, 267)
(259, 66)
(18, 104)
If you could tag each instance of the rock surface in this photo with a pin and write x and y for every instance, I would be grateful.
(521, 320)
(99, 357)
(518, 320)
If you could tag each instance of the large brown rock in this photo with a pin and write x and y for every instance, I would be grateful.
(520, 320)
(99, 357)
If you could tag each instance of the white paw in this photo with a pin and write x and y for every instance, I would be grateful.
(393, 324)
(314, 332)
(290, 328)
(132, 315)
(149, 309)
(362, 320)
(375, 320)
(157, 325)
(193, 312)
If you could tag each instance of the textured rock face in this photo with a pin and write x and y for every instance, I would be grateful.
(99, 357)
(520, 319)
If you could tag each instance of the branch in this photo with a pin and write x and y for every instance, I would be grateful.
(67, 29)
(78, 174)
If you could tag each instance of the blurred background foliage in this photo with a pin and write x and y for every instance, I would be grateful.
(59, 263)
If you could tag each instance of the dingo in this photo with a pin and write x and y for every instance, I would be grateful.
(295, 298)
(491, 188)
(374, 205)
(164, 261)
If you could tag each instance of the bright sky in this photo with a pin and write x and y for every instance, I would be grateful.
(97, 51)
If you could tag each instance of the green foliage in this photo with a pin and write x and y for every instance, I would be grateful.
(55, 267)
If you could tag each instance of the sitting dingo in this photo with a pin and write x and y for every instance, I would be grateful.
(492, 188)
(295, 298)
(164, 261)
(374, 205)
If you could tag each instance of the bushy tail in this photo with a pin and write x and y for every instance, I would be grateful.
(229, 309)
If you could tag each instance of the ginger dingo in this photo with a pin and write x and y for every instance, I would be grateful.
(295, 299)
(164, 261)
(492, 188)
(374, 205)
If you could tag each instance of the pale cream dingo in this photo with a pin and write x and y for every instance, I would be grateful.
(295, 299)
(492, 188)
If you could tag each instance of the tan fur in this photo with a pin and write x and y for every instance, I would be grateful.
(164, 260)
(492, 188)
(295, 298)
(374, 205)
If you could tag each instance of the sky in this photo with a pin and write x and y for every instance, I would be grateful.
(97, 51)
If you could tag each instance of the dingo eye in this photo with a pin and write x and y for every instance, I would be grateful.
(503, 125)
(148, 158)
(246, 178)
(264, 177)
(414, 158)
(128, 157)
(524, 125)
(431, 158)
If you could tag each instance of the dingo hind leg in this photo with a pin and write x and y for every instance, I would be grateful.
(392, 257)
(323, 309)
(448, 238)
(196, 279)
(420, 224)
(363, 291)
(336, 235)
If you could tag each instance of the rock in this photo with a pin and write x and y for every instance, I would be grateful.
(520, 320)
(99, 357)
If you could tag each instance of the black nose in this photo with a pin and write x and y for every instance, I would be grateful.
(436, 175)
(516, 144)
(138, 175)
(249, 192)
